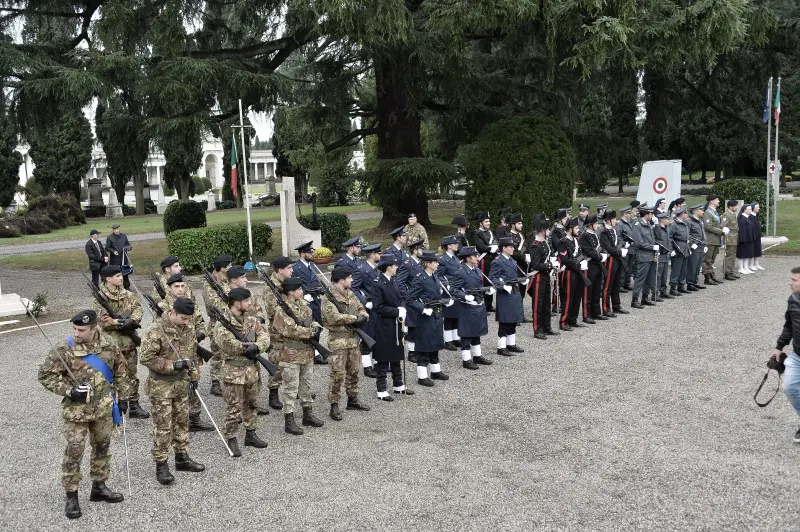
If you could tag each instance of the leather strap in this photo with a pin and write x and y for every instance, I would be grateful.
(763, 381)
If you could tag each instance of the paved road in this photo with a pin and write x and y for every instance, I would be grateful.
(44, 247)
(645, 422)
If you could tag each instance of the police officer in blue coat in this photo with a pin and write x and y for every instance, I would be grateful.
(509, 313)
(350, 260)
(409, 271)
(304, 271)
(472, 322)
(449, 266)
(425, 296)
(646, 247)
(369, 273)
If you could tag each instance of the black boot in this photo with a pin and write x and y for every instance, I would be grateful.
(196, 425)
(674, 292)
(309, 419)
(354, 404)
(440, 376)
(251, 439)
(135, 411)
(335, 413)
(184, 463)
(412, 356)
(635, 303)
(482, 361)
(469, 364)
(646, 301)
(425, 382)
(290, 426)
(551, 332)
(216, 389)
(319, 360)
(369, 372)
(566, 328)
(450, 346)
(274, 401)
(162, 473)
(730, 277)
(233, 444)
(692, 287)
(714, 278)
(101, 493)
(590, 321)
(71, 508)
(621, 311)
(665, 295)
(515, 349)
(505, 352)
(682, 289)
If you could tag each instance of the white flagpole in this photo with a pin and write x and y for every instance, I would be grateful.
(246, 185)
(776, 188)
(769, 145)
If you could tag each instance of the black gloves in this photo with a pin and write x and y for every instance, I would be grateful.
(250, 351)
(200, 336)
(123, 405)
(79, 393)
(317, 332)
(182, 364)
(128, 325)
(360, 321)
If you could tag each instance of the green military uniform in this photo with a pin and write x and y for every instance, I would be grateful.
(730, 220)
(417, 232)
(162, 280)
(295, 355)
(92, 418)
(212, 299)
(343, 342)
(123, 302)
(713, 227)
(270, 305)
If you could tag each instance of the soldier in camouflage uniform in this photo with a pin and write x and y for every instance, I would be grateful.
(220, 274)
(240, 370)
(342, 341)
(416, 231)
(237, 279)
(169, 267)
(124, 303)
(87, 405)
(281, 270)
(168, 349)
(296, 355)
(176, 289)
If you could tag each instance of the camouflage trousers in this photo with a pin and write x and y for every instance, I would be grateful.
(99, 432)
(215, 363)
(345, 367)
(240, 399)
(170, 426)
(132, 365)
(194, 402)
(297, 380)
(274, 382)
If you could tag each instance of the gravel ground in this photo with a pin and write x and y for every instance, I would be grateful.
(643, 422)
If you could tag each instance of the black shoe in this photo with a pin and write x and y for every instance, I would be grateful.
(319, 360)
(310, 420)
(196, 425)
(184, 463)
(72, 509)
(565, 328)
(440, 376)
(505, 352)
(729, 277)
(610, 315)
(274, 401)
(647, 302)
(335, 414)
(251, 439)
(601, 317)
(135, 411)
(665, 295)
(714, 278)
(412, 356)
(682, 290)
(233, 445)
(554, 310)
(674, 292)
(290, 426)
(577, 325)
(216, 389)
(657, 299)
(626, 287)
(796, 440)
(635, 303)
(425, 382)
(550, 332)
(482, 361)
(489, 309)
(515, 349)
(162, 473)
(540, 335)
(354, 404)
(621, 311)
(469, 364)
(692, 287)
(590, 321)
(101, 493)
(700, 287)
(388, 398)
(450, 346)
(369, 372)
(405, 392)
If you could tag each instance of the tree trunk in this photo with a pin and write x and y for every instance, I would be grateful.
(182, 185)
(119, 191)
(398, 136)
(139, 182)
(703, 176)
(619, 184)
(717, 173)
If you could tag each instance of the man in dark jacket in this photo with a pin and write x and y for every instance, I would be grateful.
(97, 257)
(790, 335)
(117, 247)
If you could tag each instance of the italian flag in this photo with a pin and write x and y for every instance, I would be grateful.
(234, 171)
(778, 104)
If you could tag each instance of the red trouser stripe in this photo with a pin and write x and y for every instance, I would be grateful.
(536, 306)
(483, 269)
(585, 301)
(610, 266)
(567, 298)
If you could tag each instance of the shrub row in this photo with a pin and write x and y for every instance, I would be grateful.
(335, 228)
(199, 246)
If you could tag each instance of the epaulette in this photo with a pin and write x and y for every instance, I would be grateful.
(418, 274)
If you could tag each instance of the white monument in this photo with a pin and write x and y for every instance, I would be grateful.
(292, 233)
(10, 305)
(660, 179)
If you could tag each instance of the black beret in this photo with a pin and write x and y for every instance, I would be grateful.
(169, 261)
(222, 261)
(732, 203)
(341, 272)
(711, 197)
(85, 317)
(281, 262)
(238, 294)
(291, 284)
(110, 271)
(183, 305)
(175, 278)
(235, 271)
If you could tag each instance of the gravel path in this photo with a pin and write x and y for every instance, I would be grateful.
(643, 422)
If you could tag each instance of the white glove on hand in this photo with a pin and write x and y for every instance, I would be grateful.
(528, 258)
(624, 252)
(507, 288)
(554, 261)
(493, 248)
(705, 249)
(562, 268)
(427, 311)
(449, 303)
(308, 298)
(627, 245)
(603, 257)
(726, 230)
(401, 311)
(469, 298)
(527, 283)
(694, 246)
(369, 305)
(672, 253)
(491, 291)
(584, 264)
(655, 248)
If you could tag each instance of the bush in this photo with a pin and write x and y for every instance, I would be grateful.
(226, 204)
(183, 214)
(204, 204)
(700, 191)
(199, 186)
(94, 212)
(127, 210)
(206, 183)
(31, 225)
(84, 194)
(200, 246)
(334, 183)
(524, 163)
(150, 207)
(335, 228)
(9, 230)
(66, 204)
(747, 190)
(168, 190)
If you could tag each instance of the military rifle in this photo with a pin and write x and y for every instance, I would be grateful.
(214, 284)
(220, 318)
(157, 283)
(106, 305)
(202, 352)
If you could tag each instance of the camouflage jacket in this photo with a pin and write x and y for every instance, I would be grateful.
(729, 219)
(162, 279)
(157, 356)
(341, 336)
(294, 338)
(53, 376)
(197, 318)
(212, 299)
(238, 369)
(124, 303)
(269, 304)
(417, 232)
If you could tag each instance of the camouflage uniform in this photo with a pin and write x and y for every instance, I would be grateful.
(296, 354)
(343, 342)
(241, 376)
(162, 279)
(92, 418)
(168, 389)
(125, 303)
(417, 232)
(269, 305)
(213, 300)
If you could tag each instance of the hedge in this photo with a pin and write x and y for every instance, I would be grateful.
(183, 214)
(747, 190)
(200, 246)
(335, 228)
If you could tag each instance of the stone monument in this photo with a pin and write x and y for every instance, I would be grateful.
(212, 201)
(292, 233)
(10, 305)
(113, 209)
(96, 193)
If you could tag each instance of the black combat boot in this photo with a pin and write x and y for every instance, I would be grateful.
(251, 439)
(71, 508)
(135, 411)
(216, 389)
(100, 492)
(635, 303)
(233, 445)
(647, 302)
(262, 410)
(469, 364)
(674, 291)
(354, 404)
(274, 401)
(290, 426)
(692, 287)
(196, 425)
(682, 289)
(162, 473)
(309, 419)
(184, 463)
(730, 277)
(369, 372)
(665, 295)
(714, 278)
(335, 413)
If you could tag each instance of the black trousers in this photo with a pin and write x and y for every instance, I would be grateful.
(571, 291)
(96, 278)
(450, 324)
(611, 300)
(126, 284)
(423, 359)
(382, 368)
(506, 329)
(593, 294)
(466, 343)
(540, 294)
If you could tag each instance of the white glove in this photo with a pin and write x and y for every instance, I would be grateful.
(308, 298)
(427, 311)
(401, 313)
(491, 291)
(449, 303)
(369, 305)
(507, 288)
(469, 298)
(672, 253)
(705, 249)
(554, 261)
(655, 248)
(624, 252)
(726, 230)
(603, 257)
(627, 245)
(528, 258)
(562, 268)
(694, 246)
(493, 248)
(584, 264)
(527, 283)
